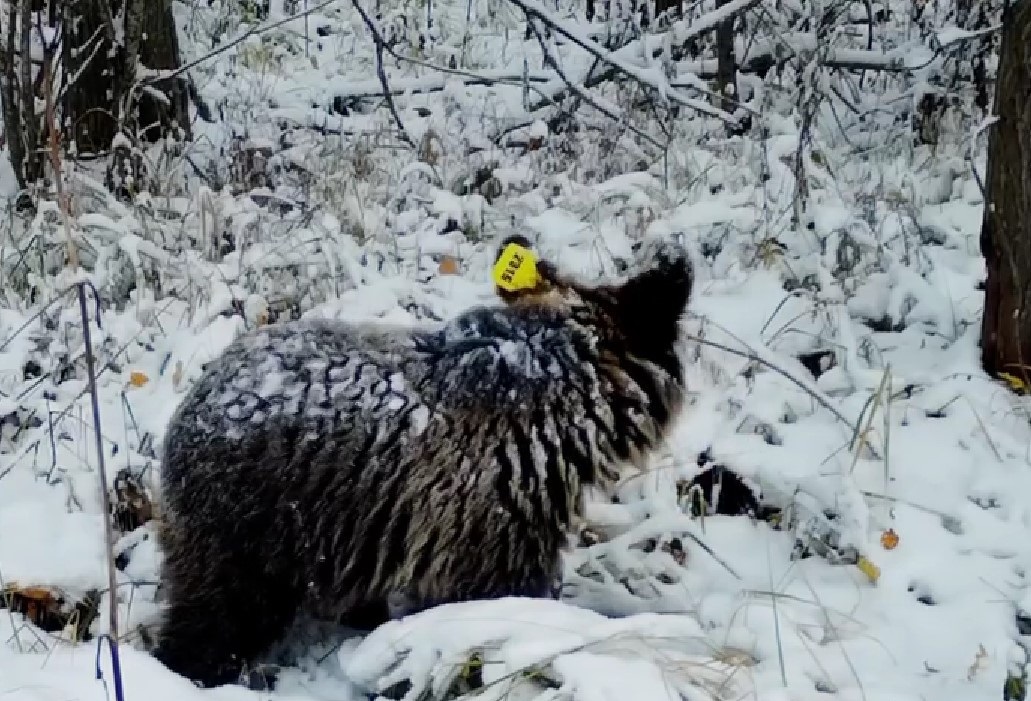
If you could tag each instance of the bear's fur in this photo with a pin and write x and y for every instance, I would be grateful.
(328, 466)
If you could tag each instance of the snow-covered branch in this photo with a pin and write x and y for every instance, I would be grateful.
(610, 112)
(381, 73)
(653, 77)
(364, 89)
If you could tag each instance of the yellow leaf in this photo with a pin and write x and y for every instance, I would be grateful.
(516, 269)
(872, 571)
(1016, 384)
(138, 379)
(889, 539)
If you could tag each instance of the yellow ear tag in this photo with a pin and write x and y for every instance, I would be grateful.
(516, 269)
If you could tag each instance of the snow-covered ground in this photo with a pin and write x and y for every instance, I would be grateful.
(883, 274)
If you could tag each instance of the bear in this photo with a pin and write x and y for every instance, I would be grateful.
(328, 466)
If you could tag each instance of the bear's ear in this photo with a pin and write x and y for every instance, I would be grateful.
(512, 238)
(547, 274)
(651, 303)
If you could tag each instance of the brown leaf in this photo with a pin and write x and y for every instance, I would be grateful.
(448, 266)
(49, 609)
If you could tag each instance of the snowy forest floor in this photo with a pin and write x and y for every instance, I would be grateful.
(326, 213)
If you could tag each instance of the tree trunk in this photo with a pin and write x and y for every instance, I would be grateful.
(1006, 227)
(664, 6)
(726, 63)
(21, 124)
(160, 51)
(96, 103)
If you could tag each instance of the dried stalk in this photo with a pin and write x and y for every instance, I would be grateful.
(54, 141)
(109, 537)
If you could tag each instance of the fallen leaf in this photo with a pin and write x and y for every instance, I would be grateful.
(889, 539)
(872, 571)
(448, 266)
(138, 379)
(1015, 383)
(48, 608)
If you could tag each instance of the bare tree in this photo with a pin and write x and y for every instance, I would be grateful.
(18, 91)
(726, 63)
(107, 94)
(93, 78)
(1006, 227)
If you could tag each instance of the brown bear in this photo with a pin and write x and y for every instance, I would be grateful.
(328, 466)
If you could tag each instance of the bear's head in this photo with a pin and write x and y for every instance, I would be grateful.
(637, 317)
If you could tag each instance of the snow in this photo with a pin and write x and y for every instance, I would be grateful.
(74, 543)
(709, 632)
(586, 652)
(881, 268)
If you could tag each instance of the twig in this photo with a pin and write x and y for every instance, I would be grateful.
(776, 618)
(365, 89)
(780, 371)
(837, 637)
(28, 322)
(532, 9)
(859, 437)
(159, 76)
(701, 544)
(803, 43)
(683, 31)
(906, 502)
(109, 541)
(54, 143)
(584, 95)
(381, 73)
(10, 614)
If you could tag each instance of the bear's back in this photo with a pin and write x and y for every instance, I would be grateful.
(309, 375)
(310, 391)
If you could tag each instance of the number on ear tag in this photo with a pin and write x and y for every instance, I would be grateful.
(516, 269)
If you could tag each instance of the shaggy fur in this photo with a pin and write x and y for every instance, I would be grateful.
(330, 465)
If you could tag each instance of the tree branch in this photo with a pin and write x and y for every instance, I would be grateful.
(159, 75)
(377, 37)
(584, 95)
(648, 77)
